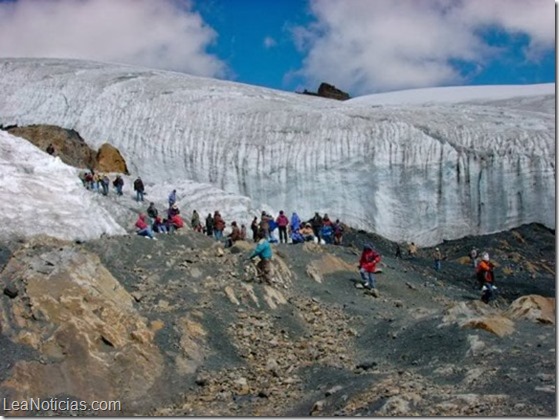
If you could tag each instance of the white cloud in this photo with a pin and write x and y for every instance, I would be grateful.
(269, 42)
(365, 46)
(158, 34)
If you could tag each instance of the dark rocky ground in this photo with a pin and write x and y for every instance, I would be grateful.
(313, 343)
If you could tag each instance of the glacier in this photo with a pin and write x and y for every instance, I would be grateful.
(420, 170)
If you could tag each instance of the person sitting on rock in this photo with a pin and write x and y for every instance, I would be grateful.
(175, 223)
(159, 225)
(50, 149)
(173, 210)
(234, 236)
(368, 265)
(152, 212)
(486, 278)
(307, 232)
(327, 231)
(263, 250)
(297, 237)
(143, 228)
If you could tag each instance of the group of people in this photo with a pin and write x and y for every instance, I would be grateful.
(99, 182)
(317, 229)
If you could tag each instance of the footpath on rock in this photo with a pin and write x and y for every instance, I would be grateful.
(181, 326)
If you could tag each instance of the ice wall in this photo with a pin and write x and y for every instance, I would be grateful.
(416, 172)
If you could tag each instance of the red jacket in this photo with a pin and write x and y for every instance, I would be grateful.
(141, 224)
(369, 260)
(484, 272)
(282, 220)
(177, 221)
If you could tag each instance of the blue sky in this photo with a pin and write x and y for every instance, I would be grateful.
(361, 46)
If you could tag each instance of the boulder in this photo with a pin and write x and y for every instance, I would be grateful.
(534, 307)
(109, 159)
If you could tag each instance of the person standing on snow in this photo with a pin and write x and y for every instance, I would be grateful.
(172, 198)
(118, 184)
(368, 265)
(139, 188)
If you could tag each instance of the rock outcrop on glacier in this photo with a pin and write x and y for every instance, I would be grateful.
(415, 172)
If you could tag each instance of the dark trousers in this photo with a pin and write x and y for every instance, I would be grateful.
(283, 233)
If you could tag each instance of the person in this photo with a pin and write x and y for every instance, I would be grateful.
(159, 225)
(139, 188)
(243, 232)
(143, 228)
(105, 181)
(89, 180)
(209, 225)
(172, 198)
(234, 236)
(175, 222)
(338, 232)
(263, 250)
(437, 257)
(282, 221)
(486, 278)
(152, 212)
(368, 265)
(173, 210)
(195, 221)
(316, 223)
(219, 225)
(473, 257)
(327, 230)
(297, 237)
(412, 250)
(295, 222)
(82, 176)
(118, 184)
(307, 232)
(398, 251)
(97, 182)
(254, 228)
(265, 224)
(50, 149)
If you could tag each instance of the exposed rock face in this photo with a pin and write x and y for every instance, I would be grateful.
(326, 90)
(188, 330)
(68, 144)
(93, 344)
(109, 159)
(72, 148)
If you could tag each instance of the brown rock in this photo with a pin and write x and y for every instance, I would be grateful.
(109, 159)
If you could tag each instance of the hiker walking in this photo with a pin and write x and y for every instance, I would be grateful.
(263, 250)
(486, 278)
(368, 265)
(172, 198)
(105, 181)
(195, 221)
(437, 257)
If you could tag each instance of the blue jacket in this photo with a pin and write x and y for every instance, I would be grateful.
(295, 222)
(262, 250)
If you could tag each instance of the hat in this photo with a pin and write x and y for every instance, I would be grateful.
(175, 206)
(307, 225)
(485, 256)
(437, 248)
